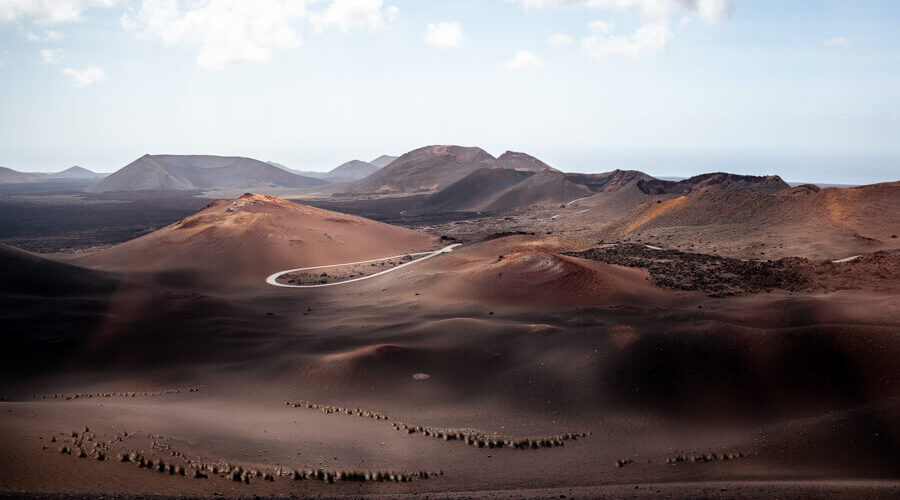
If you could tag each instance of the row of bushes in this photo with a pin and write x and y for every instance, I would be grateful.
(197, 471)
(130, 394)
(339, 410)
(694, 457)
(81, 453)
(471, 438)
(359, 476)
(82, 445)
(100, 450)
(482, 441)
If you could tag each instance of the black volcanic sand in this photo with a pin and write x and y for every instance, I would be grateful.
(57, 216)
(788, 394)
(875, 490)
(783, 384)
(720, 276)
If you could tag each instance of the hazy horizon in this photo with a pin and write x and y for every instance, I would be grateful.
(805, 90)
(822, 167)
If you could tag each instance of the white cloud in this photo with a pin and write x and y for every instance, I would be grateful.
(524, 60)
(227, 31)
(560, 40)
(44, 36)
(230, 32)
(47, 11)
(601, 27)
(51, 56)
(711, 11)
(648, 39)
(392, 13)
(654, 33)
(84, 77)
(836, 41)
(349, 15)
(444, 34)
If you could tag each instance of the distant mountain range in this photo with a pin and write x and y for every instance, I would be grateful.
(348, 172)
(10, 176)
(202, 173)
(199, 173)
(433, 168)
(466, 179)
(454, 178)
(383, 161)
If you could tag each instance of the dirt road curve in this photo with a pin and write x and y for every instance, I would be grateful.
(426, 255)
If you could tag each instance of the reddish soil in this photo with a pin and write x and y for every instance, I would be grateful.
(791, 393)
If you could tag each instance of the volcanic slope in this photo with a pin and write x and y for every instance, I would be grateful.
(34, 339)
(714, 182)
(547, 187)
(527, 271)
(476, 191)
(520, 161)
(506, 189)
(351, 171)
(244, 240)
(424, 170)
(803, 221)
(383, 161)
(30, 274)
(199, 172)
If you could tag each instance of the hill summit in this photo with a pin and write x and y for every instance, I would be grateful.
(246, 239)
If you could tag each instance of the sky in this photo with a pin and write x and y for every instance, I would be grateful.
(809, 90)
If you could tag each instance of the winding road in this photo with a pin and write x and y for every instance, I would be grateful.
(427, 255)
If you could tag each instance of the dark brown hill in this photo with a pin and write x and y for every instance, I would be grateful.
(498, 190)
(25, 273)
(520, 161)
(477, 191)
(609, 181)
(425, 170)
(800, 221)
(547, 187)
(715, 182)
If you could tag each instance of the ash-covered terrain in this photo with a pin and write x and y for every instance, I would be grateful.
(583, 336)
